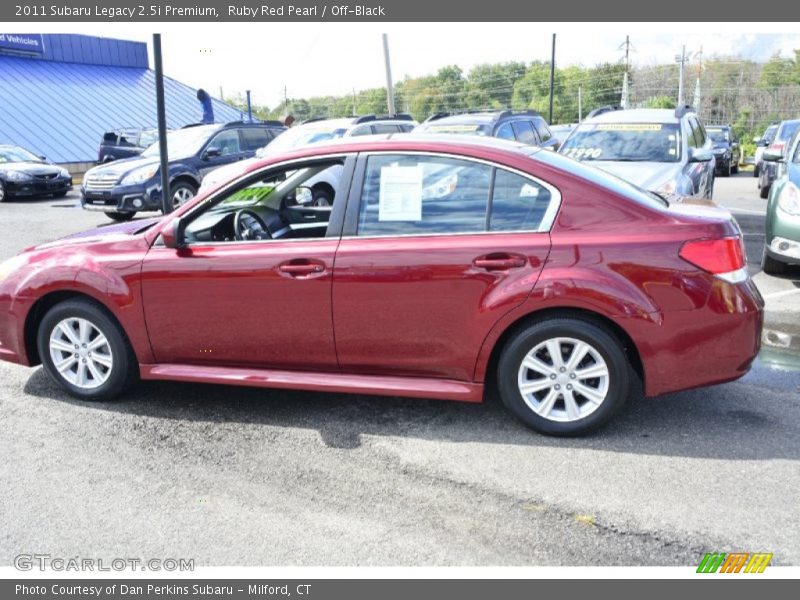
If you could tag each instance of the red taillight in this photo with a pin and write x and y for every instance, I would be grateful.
(720, 256)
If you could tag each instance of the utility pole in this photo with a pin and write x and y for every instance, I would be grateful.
(166, 199)
(285, 101)
(354, 102)
(682, 60)
(580, 104)
(221, 96)
(389, 89)
(627, 46)
(552, 77)
(249, 108)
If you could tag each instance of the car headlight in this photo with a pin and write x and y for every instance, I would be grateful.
(139, 175)
(668, 187)
(789, 199)
(18, 176)
(63, 173)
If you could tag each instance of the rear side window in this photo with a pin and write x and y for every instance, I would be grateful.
(524, 132)
(518, 203)
(226, 141)
(505, 132)
(255, 138)
(415, 195)
(384, 128)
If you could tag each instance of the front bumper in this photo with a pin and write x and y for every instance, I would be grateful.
(36, 188)
(130, 198)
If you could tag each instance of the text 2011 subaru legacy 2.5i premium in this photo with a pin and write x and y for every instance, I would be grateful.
(443, 263)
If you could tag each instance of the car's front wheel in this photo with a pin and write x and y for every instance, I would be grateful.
(770, 266)
(85, 351)
(182, 192)
(564, 376)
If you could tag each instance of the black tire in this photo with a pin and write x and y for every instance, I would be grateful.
(725, 171)
(764, 192)
(603, 341)
(321, 197)
(756, 171)
(770, 266)
(125, 369)
(120, 216)
(735, 168)
(3, 196)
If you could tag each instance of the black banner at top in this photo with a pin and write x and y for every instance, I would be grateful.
(378, 11)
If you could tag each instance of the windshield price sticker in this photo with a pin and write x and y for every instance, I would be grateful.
(400, 194)
(629, 127)
(580, 153)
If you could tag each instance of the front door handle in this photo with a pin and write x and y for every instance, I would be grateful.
(500, 261)
(301, 267)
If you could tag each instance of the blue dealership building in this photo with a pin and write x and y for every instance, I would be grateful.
(60, 93)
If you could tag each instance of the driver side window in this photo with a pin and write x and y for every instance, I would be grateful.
(227, 142)
(294, 202)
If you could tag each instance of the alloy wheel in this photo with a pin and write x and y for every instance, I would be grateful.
(81, 353)
(181, 196)
(563, 379)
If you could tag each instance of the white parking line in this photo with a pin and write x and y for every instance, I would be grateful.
(781, 294)
(747, 211)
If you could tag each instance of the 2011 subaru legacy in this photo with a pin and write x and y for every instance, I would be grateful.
(443, 265)
(661, 150)
(124, 187)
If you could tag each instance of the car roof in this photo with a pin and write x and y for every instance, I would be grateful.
(636, 115)
(483, 117)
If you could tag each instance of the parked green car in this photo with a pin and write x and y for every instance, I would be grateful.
(782, 241)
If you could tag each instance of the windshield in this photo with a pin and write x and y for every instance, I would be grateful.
(148, 137)
(718, 135)
(455, 128)
(787, 130)
(301, 136)
(11, 154)
(628, 142)
(183, 142)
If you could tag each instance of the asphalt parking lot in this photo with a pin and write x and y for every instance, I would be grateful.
(256, 477)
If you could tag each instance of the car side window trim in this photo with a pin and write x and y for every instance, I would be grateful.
(350, 227)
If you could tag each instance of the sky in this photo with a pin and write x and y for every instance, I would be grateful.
(313, 59)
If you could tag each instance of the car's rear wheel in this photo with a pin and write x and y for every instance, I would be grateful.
(770, 266)
(120, 216)
(85, 352)
(564, 376)
(764, 191)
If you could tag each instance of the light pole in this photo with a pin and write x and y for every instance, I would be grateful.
(681, 58)
(166, 200)
(389, 88)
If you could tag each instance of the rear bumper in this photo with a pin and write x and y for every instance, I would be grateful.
(713, 344)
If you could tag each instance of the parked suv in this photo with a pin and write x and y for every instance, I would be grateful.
(314, 131)
(770, 169)
(661, 150)
(527, 127)
(124, 187)
(125, 143)
(727, 151)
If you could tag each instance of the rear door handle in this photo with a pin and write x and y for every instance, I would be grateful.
(301, 267)
(500, 262)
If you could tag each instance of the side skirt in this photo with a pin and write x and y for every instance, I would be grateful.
(412, 387)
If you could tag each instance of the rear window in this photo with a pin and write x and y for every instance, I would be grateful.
(602, 178)
(626, 142)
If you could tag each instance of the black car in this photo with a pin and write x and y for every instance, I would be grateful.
(125, 143)
(526, 126)
(25, 175)
(727, 151)
(124, 187)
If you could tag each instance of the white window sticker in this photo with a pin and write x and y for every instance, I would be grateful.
(400, 194)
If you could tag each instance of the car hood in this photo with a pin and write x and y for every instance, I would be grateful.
(647, 175)
(31, 167)
(124, 166)
(106, 233)
(226, 173)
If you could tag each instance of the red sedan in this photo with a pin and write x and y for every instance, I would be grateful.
(442, 265)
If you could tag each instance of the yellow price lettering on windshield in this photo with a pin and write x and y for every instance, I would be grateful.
(629, 127)
(581, 153)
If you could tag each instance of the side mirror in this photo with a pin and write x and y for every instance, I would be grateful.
(772, 156)
(211, 152)
(172, 234)
(757, 140)
(700, 155)
(43, 158)
(763, 143)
